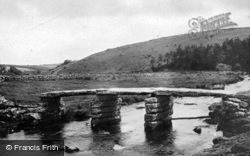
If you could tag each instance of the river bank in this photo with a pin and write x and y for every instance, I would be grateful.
(26, 92)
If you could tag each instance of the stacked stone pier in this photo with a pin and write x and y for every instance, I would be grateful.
(53, 109)
(159, 110)
(105, 109)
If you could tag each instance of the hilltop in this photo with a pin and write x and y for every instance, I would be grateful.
(136, 57)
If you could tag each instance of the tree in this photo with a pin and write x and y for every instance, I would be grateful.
(160, 58)
(14, 70)
(2, 69)
(152, 61)
(66, 62)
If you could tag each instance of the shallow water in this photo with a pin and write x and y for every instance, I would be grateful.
(129, 137)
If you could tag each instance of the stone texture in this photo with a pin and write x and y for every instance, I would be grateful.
(99, 104)
(53, 109)
(105, 109)
(105, 115)
(155, 117)
(106, 97)
(243, 104)
(158, 111)
(110, 120)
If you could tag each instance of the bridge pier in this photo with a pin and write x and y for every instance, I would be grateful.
(105, 109)
(158, 111)
(53, 109)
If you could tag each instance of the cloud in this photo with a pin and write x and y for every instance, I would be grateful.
(50, 31)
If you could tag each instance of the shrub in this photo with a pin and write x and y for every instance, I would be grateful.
(223, 67)
(66, 62)
(14, 70)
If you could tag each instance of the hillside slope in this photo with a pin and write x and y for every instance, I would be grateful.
(136, 57)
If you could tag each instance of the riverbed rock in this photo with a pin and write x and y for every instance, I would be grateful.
(240, 114)
(6, 104)
(215, 106)
(190, 103)
(243, 104)
(71, 150)
(197, 130)
(218, 140)
(230, 105)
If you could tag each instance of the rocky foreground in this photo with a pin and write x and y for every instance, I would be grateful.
(232, 116)
(14, 117)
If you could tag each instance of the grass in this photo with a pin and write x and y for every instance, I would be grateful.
(28, 91)
(77, 108)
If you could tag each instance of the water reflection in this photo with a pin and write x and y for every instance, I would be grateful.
(104, 138)
(163, 135)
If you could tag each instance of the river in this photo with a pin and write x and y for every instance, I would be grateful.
(129, 138)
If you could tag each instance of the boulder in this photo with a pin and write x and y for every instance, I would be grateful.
(197, 130)
(71, 150)
(218, 140)
(231, 105)
(236, 100)
(6, 104)
(215, 106)
(243, 104)
(240, 114)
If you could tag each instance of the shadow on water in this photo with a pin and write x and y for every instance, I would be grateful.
(163, 135)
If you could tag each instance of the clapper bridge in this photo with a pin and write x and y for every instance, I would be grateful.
(105, 109)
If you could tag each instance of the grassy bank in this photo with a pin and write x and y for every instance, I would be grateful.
(28, 91)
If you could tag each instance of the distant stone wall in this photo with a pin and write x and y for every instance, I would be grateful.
(44, 77)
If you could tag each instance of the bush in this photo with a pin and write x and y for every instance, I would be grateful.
(2, 69)
(223, 67)
(14, 70)
(66, 62)
(237, 67)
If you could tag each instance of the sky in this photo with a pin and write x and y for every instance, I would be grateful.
(51, 31)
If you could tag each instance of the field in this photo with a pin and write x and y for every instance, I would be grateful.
(28, 91)
(77, 108)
